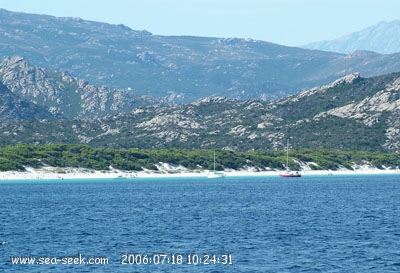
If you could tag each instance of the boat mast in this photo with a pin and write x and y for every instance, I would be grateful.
(287, 155)
(214, 160)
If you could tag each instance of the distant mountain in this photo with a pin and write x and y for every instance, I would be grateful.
(351, 113)
(383, 38)
(172, 68)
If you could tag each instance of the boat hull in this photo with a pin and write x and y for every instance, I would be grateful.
(289, 175)
(216, 175)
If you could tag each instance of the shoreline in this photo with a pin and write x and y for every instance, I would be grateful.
(51, 173)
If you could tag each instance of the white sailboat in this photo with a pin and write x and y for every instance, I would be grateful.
(288, 172)
(215, 173)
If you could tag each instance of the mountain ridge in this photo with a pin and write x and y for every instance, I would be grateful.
(13, 107)
(351, 113)
(63, 95)
(382, 38)
(235, 94)
(178, 69)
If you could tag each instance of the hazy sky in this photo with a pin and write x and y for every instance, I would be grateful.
(285, 22)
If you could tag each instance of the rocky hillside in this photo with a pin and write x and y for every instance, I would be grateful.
(12, 107)
(175, 69)
(383, 38)
(351, 113)
(63, 95)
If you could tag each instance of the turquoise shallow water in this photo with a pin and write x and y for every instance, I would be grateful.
(265, 224)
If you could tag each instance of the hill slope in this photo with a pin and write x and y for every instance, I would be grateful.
(63, 95)
(352, 113)
(177, 69)
(12, 107)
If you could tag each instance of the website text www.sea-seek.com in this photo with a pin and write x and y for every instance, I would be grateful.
(67, 260)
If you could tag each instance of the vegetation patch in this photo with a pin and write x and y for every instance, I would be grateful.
(19, 157)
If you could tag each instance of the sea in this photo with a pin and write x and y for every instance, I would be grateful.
(332, 223)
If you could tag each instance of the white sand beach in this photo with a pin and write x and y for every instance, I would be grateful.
(167, 172)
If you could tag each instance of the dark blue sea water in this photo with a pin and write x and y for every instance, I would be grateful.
(268, 224)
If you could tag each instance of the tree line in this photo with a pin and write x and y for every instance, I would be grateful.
(19, 157)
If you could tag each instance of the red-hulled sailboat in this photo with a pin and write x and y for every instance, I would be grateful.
(288, 172)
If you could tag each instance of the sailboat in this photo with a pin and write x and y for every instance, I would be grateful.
(216, 174)
(288, 172)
